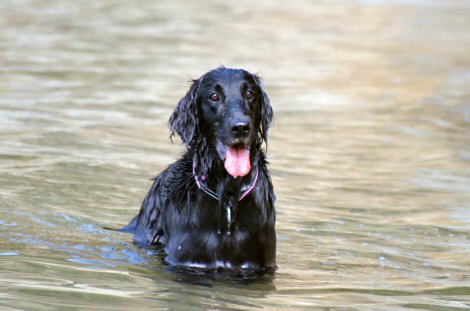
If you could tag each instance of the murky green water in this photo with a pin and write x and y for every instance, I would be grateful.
(370, 152)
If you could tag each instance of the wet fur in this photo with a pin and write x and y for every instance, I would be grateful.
(189, 225)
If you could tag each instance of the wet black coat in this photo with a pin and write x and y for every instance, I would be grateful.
(192, 227)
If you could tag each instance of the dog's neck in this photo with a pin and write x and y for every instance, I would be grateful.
(212, 178)
(217, 182)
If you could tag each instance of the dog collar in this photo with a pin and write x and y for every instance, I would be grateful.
(214, 195)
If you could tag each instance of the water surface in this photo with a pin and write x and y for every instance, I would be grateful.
(370, 151)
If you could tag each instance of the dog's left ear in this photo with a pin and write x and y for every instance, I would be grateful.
(183, 120)
(266, 111)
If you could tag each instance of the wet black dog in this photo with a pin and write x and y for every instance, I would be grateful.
(214, 207)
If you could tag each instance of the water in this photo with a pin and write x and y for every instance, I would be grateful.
(370, 150)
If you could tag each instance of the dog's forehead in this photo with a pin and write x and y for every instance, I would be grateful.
(227, 78)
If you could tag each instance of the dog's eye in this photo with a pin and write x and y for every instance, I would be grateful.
(214, 97)
(249, 95)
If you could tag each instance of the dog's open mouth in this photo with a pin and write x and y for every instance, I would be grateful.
(236, 158)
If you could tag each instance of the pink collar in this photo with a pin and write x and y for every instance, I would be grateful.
(214, 195)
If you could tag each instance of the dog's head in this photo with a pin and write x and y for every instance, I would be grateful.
(231, 110)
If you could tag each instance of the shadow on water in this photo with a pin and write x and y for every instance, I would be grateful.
(210, 278)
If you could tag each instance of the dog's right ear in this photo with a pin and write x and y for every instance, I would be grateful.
(184, 120)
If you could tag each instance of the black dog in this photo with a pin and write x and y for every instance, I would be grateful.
(214, 207)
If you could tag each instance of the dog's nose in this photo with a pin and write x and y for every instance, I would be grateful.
(241, 129)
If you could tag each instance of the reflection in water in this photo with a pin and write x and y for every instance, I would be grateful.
(370, 150)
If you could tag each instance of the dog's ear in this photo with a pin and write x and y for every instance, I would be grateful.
(184, 120)
(266, 111)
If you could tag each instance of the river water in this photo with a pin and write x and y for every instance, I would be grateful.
(370, 151)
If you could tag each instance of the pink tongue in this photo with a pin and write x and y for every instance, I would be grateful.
(237, 161)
